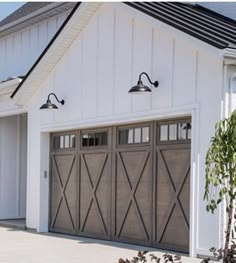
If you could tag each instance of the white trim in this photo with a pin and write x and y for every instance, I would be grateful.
(11, 112)
(9, 86)
(18, 165)
(192, 111)
(124, 118)
(43, 218)
(229, 52)
(194, 185)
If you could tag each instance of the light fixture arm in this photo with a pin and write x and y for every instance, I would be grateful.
(155, 83)
(53, 94)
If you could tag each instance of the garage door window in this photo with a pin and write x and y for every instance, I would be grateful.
(137, 135)
(174, 132)
(65, 141)
(92, 139)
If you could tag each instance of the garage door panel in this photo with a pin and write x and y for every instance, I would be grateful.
(175, 162)
(133, 196)
(184, 197)
(176, 234)
(63, 188)
(173, 191)
(94, 194)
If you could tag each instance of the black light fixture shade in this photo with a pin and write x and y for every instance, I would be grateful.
(140, 88)
(49, 105)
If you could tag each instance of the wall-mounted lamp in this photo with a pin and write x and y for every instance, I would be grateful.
(140, 88)
(49, 105)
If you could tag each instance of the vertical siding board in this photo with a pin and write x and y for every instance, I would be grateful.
(90, 69)
(162, 69)
(61, 88)
(52, 27)
(105, 61)
(9, 57)
(184, 74)
(17, 52)
(142, 53)
(122, 64)
(75, 80)
(25, 50)
(34, 43)
(208, 88)
(2, 59)
(42, 35)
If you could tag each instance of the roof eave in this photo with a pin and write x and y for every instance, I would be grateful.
(9, 86)
(32, 18)
(229, 52)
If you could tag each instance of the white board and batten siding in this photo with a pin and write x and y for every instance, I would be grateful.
(94, 77)
(19, 50)
(13, 162)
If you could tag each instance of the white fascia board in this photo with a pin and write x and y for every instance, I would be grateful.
(229, 52)
(9, 86)
(64, 40)
(229, 55)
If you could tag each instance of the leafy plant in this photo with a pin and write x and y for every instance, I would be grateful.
(142, 258)
(221, 174)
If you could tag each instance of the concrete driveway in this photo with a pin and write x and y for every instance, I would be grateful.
(18, 246)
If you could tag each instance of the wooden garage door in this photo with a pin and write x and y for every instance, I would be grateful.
(173, 185)
(95, 184)
(129, 183)
(63, 184)
(132, 185)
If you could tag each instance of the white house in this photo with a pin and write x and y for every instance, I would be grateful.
(107, 163)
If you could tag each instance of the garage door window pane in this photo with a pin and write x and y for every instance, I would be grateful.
(137, 135)
(164, 133)
(67, 141)
(91, 139)
(189, 131)
(123, 137)
(56, 142)
(182, 131)
(72, 141)
(103, 136)
(61, 142)
(172, 132)
(145, 134)
(130, 136)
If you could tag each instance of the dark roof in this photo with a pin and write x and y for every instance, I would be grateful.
(199, 22)
(24, 10)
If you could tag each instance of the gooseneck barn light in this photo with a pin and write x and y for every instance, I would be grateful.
(140, 88)
(49, 105)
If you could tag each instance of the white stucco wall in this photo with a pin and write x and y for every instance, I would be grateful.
(19, 51)
(94, 77)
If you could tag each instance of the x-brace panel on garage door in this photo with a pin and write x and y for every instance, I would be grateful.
(93, 189)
